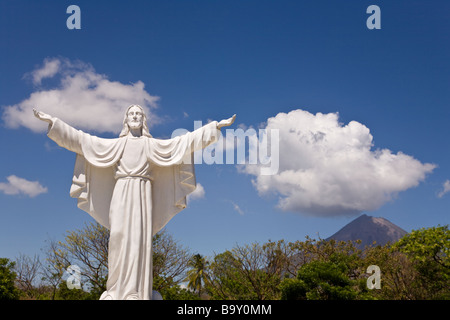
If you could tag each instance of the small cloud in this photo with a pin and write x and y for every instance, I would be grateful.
(48, 70)
(198, 193)
(445, 189)
(16, 185)
(51, 146)
(237, 208)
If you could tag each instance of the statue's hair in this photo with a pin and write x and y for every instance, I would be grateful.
(126, 128)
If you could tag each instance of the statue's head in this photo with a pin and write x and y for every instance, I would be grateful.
(135, 118)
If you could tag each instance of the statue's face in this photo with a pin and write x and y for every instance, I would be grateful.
(135, 118)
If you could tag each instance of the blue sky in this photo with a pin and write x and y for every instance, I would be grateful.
(312, 67)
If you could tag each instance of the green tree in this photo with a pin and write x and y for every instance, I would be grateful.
(324, 280)
(170, 264)
(29, 276)
(175, 292)
(429, 250)
(398, 275)
(428, 245)
(8, 291)
(86, 248)
(198, 274)
(255, 272)
(227, 280)
(64, 293)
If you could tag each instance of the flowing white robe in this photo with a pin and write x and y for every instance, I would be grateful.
(133, 186)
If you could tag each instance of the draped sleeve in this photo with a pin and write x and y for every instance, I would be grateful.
(173, 171)
(178, 150)
(93, 176)
(65, 136)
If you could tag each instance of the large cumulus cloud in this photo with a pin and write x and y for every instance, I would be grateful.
(327, 168)
(76, 93)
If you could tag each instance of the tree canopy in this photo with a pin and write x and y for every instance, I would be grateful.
(415, 267)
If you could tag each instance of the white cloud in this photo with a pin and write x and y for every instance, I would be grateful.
(237, 208)
(48, 70)
(445, 189)
(83, 98)
(16, 185)
(198, 193)
(327, 168)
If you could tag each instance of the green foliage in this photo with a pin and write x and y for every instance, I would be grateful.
(64, 293)
(427, 245)
(251, 272)
(293, 289)
(321, 280)
(178, 293)
(227, 282)
(397, 274)
(170, 262)
(417, 267)
(198, 274)
(429, 251)
(331, 271)
(88, 249)
(7, 278)
(171, 290)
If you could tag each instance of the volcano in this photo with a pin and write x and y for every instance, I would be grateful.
(369, 230)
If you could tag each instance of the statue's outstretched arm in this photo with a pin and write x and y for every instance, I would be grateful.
(226, 122)
(62, 133)
(43, 116)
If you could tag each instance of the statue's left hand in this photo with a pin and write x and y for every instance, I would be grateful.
(226, 122)
(42, 116)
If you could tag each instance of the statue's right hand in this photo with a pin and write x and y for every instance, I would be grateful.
(42, 116)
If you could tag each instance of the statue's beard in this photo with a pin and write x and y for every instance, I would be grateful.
(135, 124)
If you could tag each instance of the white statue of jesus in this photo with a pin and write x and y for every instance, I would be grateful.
(133, 185)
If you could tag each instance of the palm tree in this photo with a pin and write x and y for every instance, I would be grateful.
(198, 275)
